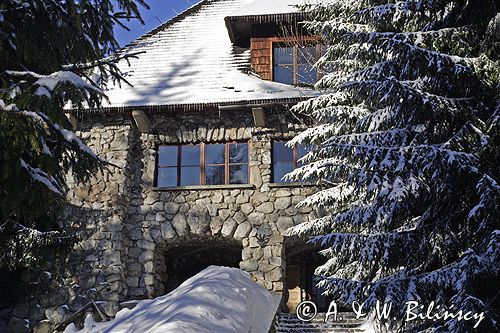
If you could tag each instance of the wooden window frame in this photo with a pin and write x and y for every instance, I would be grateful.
(294, 42)
(295, 157)
(203, 163)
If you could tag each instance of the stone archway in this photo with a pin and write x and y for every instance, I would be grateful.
(181, 257)
(187, 259)
(188, 220)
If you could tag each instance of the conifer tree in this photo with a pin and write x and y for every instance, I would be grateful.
(54, 55)
(405, 145)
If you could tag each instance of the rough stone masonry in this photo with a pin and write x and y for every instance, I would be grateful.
(127, 227)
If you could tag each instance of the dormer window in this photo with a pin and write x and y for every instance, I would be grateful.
(293, 64)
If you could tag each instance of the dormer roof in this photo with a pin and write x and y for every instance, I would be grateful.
(190, 62)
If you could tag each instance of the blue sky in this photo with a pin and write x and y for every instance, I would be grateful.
(161, 11)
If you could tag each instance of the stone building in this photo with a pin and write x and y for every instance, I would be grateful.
(197, 145)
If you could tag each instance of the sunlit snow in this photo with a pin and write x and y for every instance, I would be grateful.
(218, 299)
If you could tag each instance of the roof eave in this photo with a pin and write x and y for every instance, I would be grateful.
(190, 107)
(261, 18)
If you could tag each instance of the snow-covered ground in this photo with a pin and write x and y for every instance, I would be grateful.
(216, 300)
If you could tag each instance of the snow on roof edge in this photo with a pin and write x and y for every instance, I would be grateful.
(266, 18)
(189, 106)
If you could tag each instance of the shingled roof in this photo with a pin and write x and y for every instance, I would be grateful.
(189, 62)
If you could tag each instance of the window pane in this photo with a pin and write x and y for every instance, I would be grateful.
(190, 155)
(167, 155)
(214, 175)
(190, 175)
(167, 177)
(283, 74)
(281, 153)
(306, 55)
(301, 151)
(281, 169)
(238, 174)
(216, 153)
(307, 74)
(238, 153)
(283, 55)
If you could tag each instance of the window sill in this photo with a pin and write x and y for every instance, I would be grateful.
(206, 187)
(292, 184)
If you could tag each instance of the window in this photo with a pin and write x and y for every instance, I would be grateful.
(294, 64)
(202, 164)
(285, 159)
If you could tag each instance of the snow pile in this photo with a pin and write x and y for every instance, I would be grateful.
(216, 300)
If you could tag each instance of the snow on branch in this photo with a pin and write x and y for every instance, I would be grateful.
(70, 137)
(50, 82)
(39, 175)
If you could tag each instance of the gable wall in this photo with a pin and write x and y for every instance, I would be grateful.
(261, 57)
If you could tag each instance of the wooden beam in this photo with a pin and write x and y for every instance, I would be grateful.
(81, 311)
(259, 117)
(142, 121)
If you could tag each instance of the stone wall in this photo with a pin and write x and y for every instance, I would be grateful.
(164, 219)
(96, 266)
(127, 227)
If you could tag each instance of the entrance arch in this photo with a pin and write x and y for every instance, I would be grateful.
(301, 261)
(186, 259)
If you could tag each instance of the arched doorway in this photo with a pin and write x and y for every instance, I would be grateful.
(300, 280)
(186, 260)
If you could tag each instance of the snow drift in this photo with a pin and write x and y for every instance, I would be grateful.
(216, 300)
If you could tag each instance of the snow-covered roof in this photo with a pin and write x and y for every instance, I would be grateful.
(259, 7)
(190, 62)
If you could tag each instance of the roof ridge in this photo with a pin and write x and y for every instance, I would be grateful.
(167, 23)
